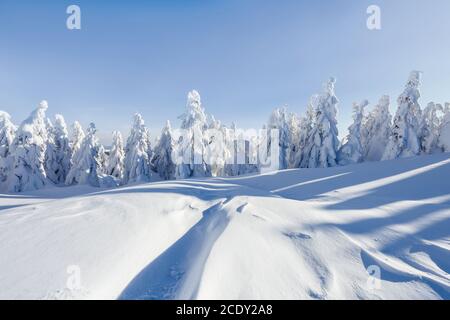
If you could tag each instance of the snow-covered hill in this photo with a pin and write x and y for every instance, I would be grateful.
(296, 234)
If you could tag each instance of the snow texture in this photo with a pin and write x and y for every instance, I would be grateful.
(28, 150)
(377, 230)
(405, 135)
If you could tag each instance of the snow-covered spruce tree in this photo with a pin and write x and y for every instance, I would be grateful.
(77, 137)
(279, 121)
(150, 153)
(231, 165)
(251, 138)
(162, 154)
(57, 162)
(192, 143)
(294, 128)
(63, 145)
(242, 150)
(116, 160)
(444, 130)
(352, 151)
(286, 125)
(28, 149)
(7, 134)
(376, 130)
(216, 151)
(322, 144)
(137, 162)
(103, 159)
(50, 163)
(305, 128)
(430, 128)
(247, 151)
(405, 135)
(86, 161)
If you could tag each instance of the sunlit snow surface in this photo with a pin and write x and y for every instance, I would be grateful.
(296, 234)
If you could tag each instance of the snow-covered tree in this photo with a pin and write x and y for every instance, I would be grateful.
(7, 134)
(306, 123)
(322, 144)
(116, 160)
(279, 121)
(376, 130)
(103, 159)
(192, 141)
(430, 128)
(150, 152)
(352, 150)
(405, 135)
(243, 151)
(250, 165)
(162, 155)
(267, 159)
(444, 130)
(137, 162)
(293, 125)
(50, 163)
(57, 162)
(28, 149)
(76, 139)
(216, 149)
(86, 161)
(232, 145)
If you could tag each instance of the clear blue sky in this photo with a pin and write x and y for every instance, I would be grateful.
(245, 57)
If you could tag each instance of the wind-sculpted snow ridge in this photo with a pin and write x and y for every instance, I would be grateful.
(177, 272)
(370, 231)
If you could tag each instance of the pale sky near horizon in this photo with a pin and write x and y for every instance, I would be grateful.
(245, 57)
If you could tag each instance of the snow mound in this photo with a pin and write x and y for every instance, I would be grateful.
(369, 231)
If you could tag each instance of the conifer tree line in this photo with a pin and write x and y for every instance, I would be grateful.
(41, 152)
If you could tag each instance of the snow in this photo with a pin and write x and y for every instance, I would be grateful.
(87, 166)
(352, 150)
(292, 234)
(376, 130)
(115, 162)
(191, 160)
(322, 146)
(137, 162)
(7, 135)
(405, 136)
(28, 150)
(57, 161)
(444, 132)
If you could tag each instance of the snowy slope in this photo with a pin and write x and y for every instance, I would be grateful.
(295, 234)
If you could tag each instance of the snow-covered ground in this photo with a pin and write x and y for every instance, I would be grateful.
(296, 234)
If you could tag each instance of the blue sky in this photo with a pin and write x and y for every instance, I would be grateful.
(245, 57)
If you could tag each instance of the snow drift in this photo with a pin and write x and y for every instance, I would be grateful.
(369, 231)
